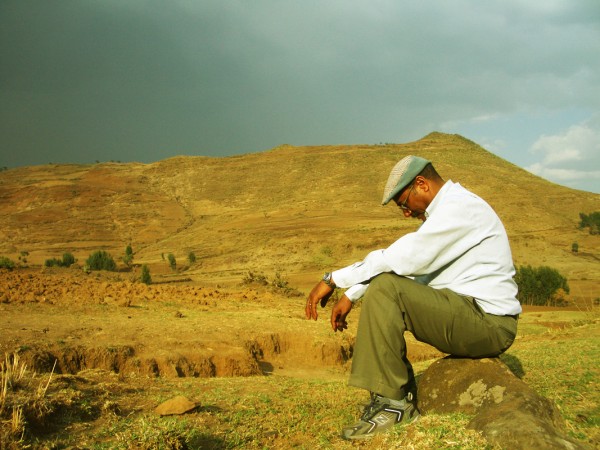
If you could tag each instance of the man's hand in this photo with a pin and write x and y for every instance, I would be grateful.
(338, 315)
(321, 292)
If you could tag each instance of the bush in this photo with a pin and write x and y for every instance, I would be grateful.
(128, 258)
(278, 284)
(6, 263)
(53, 262)
(540, 286)
(67, 261)
(192, 257)
(172, 261)
(145, 277)
(101, 260)
(591, 221)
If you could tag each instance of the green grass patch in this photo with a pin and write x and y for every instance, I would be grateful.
(564, 368)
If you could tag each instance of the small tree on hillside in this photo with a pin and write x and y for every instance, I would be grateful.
(101, 260)
(6, 263)
(128, 258)
(591, 221)
(145, 277)
(172, 261)
(192, 257)
(68, 259)
(540, 285)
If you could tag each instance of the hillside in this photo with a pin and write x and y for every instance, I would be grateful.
(99, 351)
(293, 210)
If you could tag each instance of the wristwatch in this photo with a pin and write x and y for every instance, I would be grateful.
(327, 279)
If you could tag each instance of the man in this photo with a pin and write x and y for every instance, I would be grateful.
(450, 283)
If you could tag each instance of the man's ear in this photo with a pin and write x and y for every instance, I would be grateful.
(422, 183)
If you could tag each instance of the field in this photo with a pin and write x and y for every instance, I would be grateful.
(271, 378)
(227, 329)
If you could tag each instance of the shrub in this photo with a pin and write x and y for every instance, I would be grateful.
(6, 263)
(67, 261)
(101, 260)
(128, 258)
(192, 257)
(278, 284)
(145, 277)
(540, 285)
(172, 261)
(23, 257)
(253, 278)
(591, 221)
(575, 247)
(53, 262)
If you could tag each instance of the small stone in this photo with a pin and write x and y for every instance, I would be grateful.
(175, 406)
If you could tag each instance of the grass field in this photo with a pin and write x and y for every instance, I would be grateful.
(557, 353)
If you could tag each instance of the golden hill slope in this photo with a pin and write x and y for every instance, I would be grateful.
(296, 210)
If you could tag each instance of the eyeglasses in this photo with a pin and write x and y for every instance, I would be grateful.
(403, 205)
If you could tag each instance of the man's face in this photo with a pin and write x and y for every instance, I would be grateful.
(408, 200)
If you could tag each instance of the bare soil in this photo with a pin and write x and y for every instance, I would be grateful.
(101, 321)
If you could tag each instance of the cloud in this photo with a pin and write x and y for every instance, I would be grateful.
(570, 155)
(85, 81)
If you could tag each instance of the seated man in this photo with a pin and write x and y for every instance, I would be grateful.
(450, 283)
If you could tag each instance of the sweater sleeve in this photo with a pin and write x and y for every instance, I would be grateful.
(443, 237)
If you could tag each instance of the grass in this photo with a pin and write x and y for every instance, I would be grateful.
(275, 413)
(101, 410)
(564, 368)
(18, 400)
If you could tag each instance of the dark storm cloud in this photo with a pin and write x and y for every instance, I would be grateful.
(144, 80)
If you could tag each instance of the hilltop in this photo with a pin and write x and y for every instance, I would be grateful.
(289, 210)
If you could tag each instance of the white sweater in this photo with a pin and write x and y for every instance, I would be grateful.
(462, 246)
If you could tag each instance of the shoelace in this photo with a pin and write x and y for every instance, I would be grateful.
(373, 406)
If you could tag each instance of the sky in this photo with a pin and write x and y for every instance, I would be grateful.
(130, 80)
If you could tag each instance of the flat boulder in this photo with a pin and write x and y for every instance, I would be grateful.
(175, 406)
(506, 410)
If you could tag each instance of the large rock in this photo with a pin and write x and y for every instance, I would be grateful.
(175, 406)
(506, 410)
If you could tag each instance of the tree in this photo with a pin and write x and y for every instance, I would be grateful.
(145, 277)
(192, 257)
(575, 247)
(68, 259)
(540, 285)
(591, 221)
(128, 258)
(101, 260)
(172, 261)
(6, 263)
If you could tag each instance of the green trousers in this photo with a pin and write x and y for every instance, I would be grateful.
(452, 323)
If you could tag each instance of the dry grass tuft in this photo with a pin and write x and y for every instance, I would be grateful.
(17, 400)
(12, 377)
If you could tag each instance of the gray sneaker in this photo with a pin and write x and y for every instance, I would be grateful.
(380, 415)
